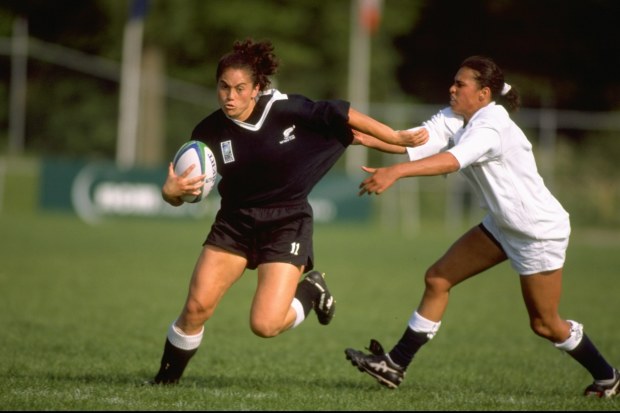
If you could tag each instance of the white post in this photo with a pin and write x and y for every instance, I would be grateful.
(2, 180)
(19, 81)
(129, 104)
(359, 75)
(548, 128)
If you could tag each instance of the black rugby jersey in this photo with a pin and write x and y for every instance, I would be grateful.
(280, 152)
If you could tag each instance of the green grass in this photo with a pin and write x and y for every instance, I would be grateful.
(85, 312)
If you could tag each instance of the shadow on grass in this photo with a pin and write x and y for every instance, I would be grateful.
(251, 381)
(257, 382)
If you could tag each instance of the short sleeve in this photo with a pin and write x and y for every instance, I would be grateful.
(441, 128)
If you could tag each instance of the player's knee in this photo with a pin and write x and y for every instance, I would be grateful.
(435, 281)
(197, 311)
(264, 328)
(544, 328)
(539, 328)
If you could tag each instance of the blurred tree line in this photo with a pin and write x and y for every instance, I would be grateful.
(559, 53)
(311, 40)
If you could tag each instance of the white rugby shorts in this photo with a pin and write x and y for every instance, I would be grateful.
(528, 255)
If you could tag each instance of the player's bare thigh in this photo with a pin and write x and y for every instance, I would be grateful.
(215, 272)
(471, 254)
(271, 308)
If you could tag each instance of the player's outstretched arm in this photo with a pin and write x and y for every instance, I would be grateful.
(370, 126)
(382, 178)
(360, 138)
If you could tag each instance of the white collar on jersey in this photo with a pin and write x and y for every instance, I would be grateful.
(275, 96)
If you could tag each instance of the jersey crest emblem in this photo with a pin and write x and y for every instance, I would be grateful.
(227, 151)
(288, 135)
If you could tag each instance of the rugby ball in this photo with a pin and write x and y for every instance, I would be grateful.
(196, 153)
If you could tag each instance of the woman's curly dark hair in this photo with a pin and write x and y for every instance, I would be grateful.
(257, 57)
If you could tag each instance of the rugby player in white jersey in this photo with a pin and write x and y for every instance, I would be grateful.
(524, 224)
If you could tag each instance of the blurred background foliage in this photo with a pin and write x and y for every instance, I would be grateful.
(560, 54)
(311, 40)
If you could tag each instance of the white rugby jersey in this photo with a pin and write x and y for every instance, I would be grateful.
(441, 129)
(496, 158)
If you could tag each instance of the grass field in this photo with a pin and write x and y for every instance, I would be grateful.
(85, 312)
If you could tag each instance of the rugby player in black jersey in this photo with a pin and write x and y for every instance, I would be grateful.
(271, 150)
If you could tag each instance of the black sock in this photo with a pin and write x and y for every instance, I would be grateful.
(409, 344)
(173, 363)
(305, 293)
(589, 357)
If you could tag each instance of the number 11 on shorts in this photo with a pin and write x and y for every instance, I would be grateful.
(295, 248)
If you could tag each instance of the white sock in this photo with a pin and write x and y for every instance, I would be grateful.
(299, 310)
(183, 341)
(423, 325)
(573, 340)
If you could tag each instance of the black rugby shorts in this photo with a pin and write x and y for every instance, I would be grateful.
(266, 235)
